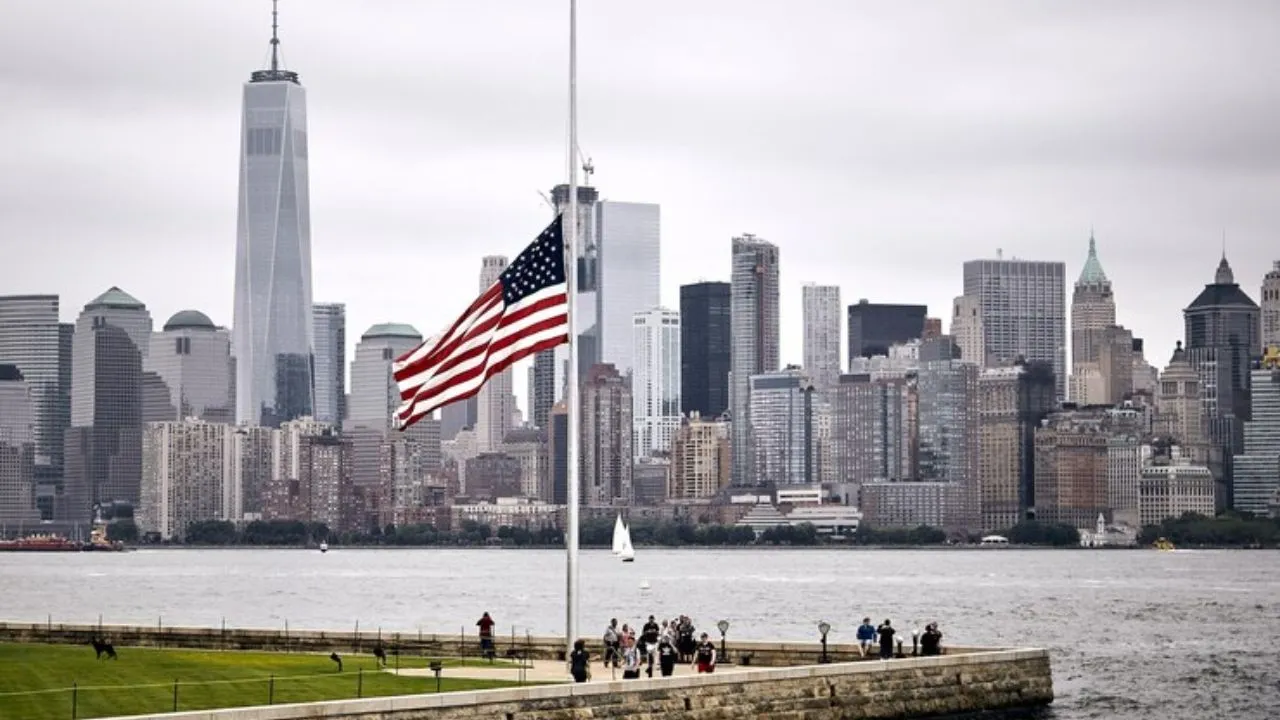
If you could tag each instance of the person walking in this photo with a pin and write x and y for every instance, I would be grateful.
(580, 662)
(630, 659)
(486, 635)
(649, 642)
(866, 636)
(886, 633)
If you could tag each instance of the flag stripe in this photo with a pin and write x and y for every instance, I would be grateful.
(530, 346)
(477, 320)
(473, 344)
(474, 368)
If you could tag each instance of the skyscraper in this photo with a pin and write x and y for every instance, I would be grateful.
(374, 395)
(17, 450)
(754, 332)
(1093, 311)
(31, 340)
(966, 330)
(1257, 468)
(655, 381)
(329, 328)
(822, 333)
(783, 442)
(193, 358)
(542, 388)
(629, 281)
(874, 328)
(272, 334)
(1270, 298)
(704, 349)
(607, 458)
(1222, 329)
(495, 403)
(104, 445)
(587, 305)
(1023, 311)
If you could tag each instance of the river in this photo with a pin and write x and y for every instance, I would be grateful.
(1134, 634)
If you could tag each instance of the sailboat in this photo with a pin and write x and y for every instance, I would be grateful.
(619, 530)
(627, 553)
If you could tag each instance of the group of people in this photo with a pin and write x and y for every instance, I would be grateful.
(869, 635)
(665, 645)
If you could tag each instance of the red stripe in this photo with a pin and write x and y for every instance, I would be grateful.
(450, 345)
(448, 341)
(493, 327)
(418, 412)
(499, 342)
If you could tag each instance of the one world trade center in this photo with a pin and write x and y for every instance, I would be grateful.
(272, 336)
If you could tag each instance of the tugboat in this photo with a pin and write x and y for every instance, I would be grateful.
(1162, 544)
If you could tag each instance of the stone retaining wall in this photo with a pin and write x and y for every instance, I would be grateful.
(908, 688)
(417, 644)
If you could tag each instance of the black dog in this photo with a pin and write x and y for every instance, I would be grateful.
(336, 658)
(380, 655)
(102, 646)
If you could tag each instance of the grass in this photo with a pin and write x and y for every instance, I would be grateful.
(36, 680)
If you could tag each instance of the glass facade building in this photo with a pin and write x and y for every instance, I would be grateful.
(329, 328)
(655, 384)
(630, 275)
(272, 330)
(32, 339)
(704, 348)
(374, 396)
(754, 297)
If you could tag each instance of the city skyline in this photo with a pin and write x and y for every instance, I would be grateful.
(1147, 194)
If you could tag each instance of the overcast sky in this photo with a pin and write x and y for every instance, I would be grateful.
(879, 144)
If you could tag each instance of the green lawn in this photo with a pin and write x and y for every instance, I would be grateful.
(36, 680)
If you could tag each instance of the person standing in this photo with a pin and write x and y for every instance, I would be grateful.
(630, 659)
(866, 636)
(704, 658)
(649, 642)
(931, 641)
(580, 662)
(486, 635)
(666, 656)
(886, 633)
(612, 646)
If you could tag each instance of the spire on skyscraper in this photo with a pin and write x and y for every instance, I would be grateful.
(274, 73)
(1092, 273)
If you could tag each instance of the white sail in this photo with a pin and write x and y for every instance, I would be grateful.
(627, 553)
(619, 530)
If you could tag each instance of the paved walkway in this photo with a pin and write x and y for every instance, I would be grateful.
(546, 671)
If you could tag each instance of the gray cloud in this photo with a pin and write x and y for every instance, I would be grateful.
(880, 144)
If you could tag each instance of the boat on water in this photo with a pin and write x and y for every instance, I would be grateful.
(618, 531)
(324, 547)
(627, 553)
(1163, 544)
(50, 542)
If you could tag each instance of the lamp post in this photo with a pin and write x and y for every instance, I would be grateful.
(824, 627)
(436, 667)
(723, 626)
(915, 640)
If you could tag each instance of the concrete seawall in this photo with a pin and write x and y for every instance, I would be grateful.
(782, 680)
(908, 688)
(764, 654)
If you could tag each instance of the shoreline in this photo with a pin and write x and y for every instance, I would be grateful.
(733, 548)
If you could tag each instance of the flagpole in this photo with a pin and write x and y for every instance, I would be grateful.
(573, 451)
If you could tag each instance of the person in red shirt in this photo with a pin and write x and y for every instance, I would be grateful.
(486, 635)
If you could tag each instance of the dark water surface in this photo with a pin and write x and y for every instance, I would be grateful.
(1134, 634)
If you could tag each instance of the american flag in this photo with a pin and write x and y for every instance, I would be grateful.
(526, 311)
